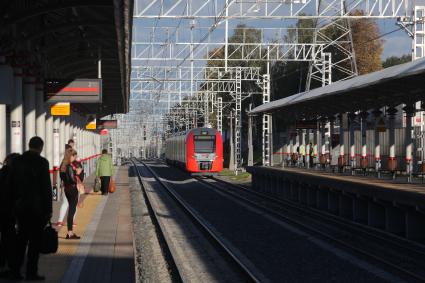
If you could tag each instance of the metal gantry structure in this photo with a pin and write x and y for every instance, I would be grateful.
(187, 73)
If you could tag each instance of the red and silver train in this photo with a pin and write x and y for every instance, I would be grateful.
(199, 151)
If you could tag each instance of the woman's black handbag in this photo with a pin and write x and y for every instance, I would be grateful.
(50, 242)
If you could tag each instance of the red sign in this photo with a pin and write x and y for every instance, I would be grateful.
(104, 132)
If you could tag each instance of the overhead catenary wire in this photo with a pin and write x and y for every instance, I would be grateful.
(361, 43)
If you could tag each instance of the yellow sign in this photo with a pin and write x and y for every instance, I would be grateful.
(91, 125)
(61, 109)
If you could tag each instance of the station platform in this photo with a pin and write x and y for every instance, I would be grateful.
(105, 251)
(392, 205)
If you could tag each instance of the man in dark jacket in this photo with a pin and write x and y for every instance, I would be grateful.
(7, 216)
(33, 206)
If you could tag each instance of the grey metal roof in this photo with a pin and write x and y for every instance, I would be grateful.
(392, 86)
(62, 40)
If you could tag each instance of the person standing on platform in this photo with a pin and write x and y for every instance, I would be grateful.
(7, 217)
(302, 154)
(104, 171)
(32, 195)
(64, 205)
(71, 143)
(68, 177)
(311, 155)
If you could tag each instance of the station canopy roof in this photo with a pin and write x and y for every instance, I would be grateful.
(63, 40)
(392, 86)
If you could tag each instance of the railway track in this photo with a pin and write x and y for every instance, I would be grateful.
(404, 260)
(403, 257)
(247, 272)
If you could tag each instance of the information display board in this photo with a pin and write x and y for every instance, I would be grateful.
(73, 91)
(306, 124)
(107, 124)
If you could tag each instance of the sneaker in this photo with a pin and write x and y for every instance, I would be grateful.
(35, 277)
(72, 237)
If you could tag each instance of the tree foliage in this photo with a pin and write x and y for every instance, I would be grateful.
(290, 77)
(242, 44)
(368, 46)
(394, 60)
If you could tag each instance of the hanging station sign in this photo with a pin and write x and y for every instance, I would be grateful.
(73, 90)
(306, 124)
(91, 122)
(61, 109)
(107, 124)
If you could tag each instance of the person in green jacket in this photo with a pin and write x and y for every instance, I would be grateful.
(104, 171)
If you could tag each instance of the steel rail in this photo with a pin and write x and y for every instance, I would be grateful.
(206, 229)
(158, 229)
(287, 219)
(394, 239)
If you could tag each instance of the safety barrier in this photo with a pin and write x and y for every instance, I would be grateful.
(89, 166)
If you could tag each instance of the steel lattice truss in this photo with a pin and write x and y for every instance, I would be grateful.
(184, 64)
(270, 9)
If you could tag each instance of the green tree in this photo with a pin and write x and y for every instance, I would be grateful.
(243, 44)
(394, 60)
(289, 77)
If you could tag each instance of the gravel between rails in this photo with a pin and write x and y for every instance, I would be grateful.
(196, 259)
(280, 251)
(150, 262)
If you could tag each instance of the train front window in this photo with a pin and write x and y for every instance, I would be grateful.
(204, 144)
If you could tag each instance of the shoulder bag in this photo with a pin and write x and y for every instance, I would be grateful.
(50, 243)
(112, 186)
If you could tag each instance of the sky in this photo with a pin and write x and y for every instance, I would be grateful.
(395, 44)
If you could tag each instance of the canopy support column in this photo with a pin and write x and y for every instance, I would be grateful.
(41, 115)
(377, 113)
(323, 142)
(3, 131)
(331, 120)
(392, 160)
(49, 139)
(352, 117)
(410, 112)
(250, 146)
(307, 149)
(341, 158)
(29, 108)
(364, 160)
(16, 115)
(56, 150)
(316, 141)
